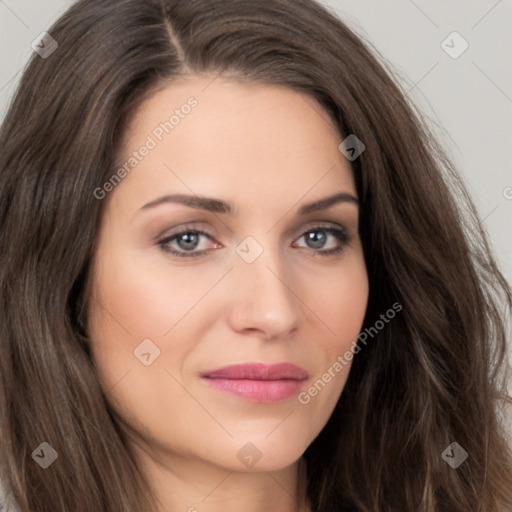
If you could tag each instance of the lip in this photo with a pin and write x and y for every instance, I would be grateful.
(258, 382)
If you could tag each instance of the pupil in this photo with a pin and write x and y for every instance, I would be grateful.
(188, 241)
(316, 242)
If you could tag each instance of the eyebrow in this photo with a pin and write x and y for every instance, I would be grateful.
(217, 206)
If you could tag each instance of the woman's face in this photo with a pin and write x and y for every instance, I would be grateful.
(270, 279)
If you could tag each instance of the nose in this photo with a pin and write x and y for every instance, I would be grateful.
(264, 301)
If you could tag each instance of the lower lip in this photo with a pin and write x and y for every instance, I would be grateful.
(265, 391)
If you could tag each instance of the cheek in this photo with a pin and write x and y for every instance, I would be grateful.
(135, 302)
(339, 303)
(138, 299)
(146, 298)
(339, 298)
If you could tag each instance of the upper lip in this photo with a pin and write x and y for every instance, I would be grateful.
(258, 371)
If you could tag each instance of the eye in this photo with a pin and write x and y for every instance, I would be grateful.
(185, 242)
(318, 236)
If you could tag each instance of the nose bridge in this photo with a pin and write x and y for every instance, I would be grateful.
(264, 298)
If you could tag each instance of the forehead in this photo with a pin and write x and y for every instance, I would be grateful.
(206, 134)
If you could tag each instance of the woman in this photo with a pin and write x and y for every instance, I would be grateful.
(238, 273)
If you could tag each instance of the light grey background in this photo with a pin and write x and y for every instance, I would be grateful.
(468, 99)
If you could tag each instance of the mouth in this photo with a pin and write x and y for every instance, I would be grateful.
(258, 382)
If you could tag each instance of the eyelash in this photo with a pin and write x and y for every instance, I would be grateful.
(338, 233)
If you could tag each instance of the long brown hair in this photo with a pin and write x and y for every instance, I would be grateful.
(435, 375)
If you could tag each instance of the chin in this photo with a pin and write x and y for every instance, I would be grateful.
(258, 455)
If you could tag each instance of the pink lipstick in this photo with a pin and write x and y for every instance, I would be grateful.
(258, 382)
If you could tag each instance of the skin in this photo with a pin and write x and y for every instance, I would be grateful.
(267, 150)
